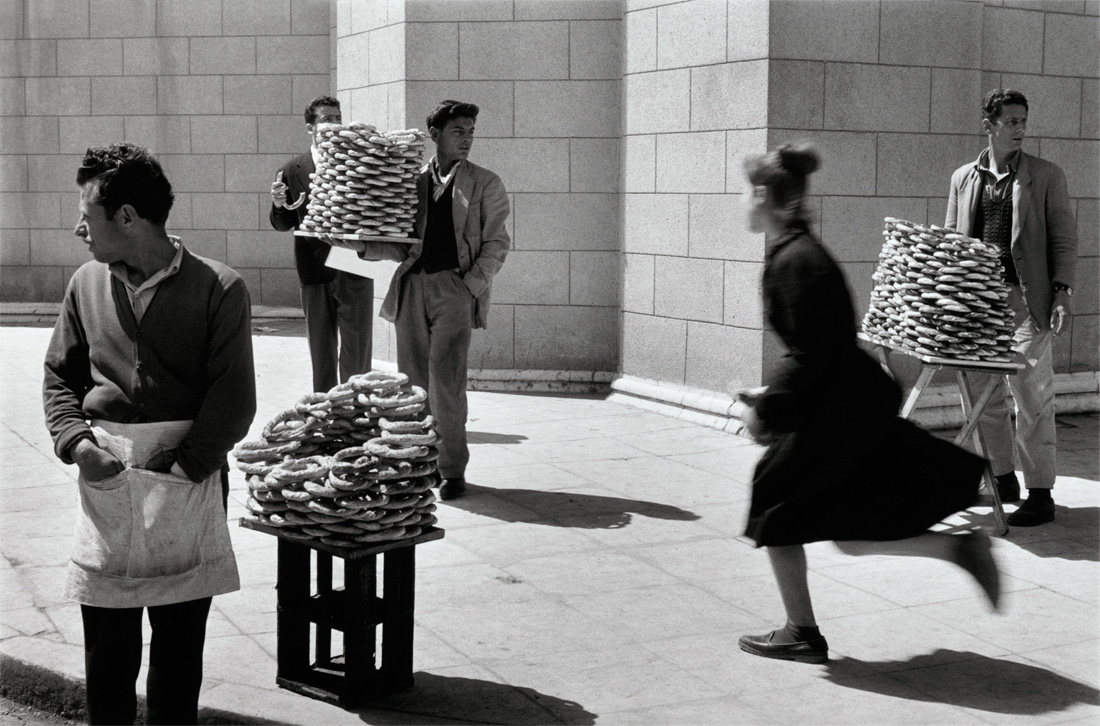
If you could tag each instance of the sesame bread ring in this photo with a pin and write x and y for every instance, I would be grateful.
(366, 518)
(382, 449)
(296, 518)
(335, 540)
(258, 507)
(276, 520)
(257, 469)
(377, 380)
(341, 393)
(402, 501)
(394, 438)
(296, 470)
(323, 519)
(394, 469)
(407, 427)
(259, 450)
(394, 515)
(415, 394)
(321, 490)
(348, 484)
(282, 417)
(395, 411)
(315, 529)
(383, 535)
(330, 510)
(314, 404)
(274, 495)
(341, 528)
(295, 494)
(351, 453)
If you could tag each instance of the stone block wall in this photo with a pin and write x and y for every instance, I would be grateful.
(215, 88)
(546, 76)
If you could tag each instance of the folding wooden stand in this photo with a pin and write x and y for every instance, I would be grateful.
(356, 609)
(972, 407)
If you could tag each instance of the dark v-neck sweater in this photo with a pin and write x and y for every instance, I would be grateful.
(190, 358)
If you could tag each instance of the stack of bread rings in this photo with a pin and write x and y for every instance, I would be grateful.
(939, 293)
(365, 181)
(349, 467)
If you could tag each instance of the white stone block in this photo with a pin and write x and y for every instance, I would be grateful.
(729, 96)
(195, 173)
(257, 95)
(253, 248)
(13, 172)
(189, 17)
(594, 278)
(22, 135)
(566, 338)
(719, 229)
(654, 347)
(225, 211)
(742, 299)
(848, 159)
(747, 25)
(251, 172)
(189, 94)
(22, 58)
(658, 102)
(387, 54)
(431, 51)
(364, 16)
(938, 33)
(156, 56)
(533, 278)
(1077, 157)
(567, 108)
(851, 227)
(353, 61)
(640, 41)
(1071, 46)
(1053, 104)
(526, 165)
(440, 11)
(256, 17)
(223, 134)
(955, 98)
(1012, 40)
(110, 19)
(55, 19)
(691, 162)
(514, 51)
(129, 94)
(656, 224)
(59, 247)
(640, 163)
(495, 99)
(80, 132)
(1090, 108)
(160, 134)
(638, 283)
(595, 49)
(566, 221)
(292, 54)
(30, 210)
(306, 88)
(85, 57)
(841, 30)
(691, 33)
(594, 165)
(920, 165)
(311, 17)
(721, 358)
(59, 96)
(862, 97)
(48, 172)
(15, 244)
(13, 97)
(688, 288)
(568, 9)
(223, 55)
(796, 94)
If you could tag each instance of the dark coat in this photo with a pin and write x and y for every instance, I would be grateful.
(842, 464)
(309, 253)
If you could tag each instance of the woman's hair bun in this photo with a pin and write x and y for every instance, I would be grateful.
(799, 159)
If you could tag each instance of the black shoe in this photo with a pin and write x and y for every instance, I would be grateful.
(1033, 512)
(1008, 486)
(452, 488)
(815, 650)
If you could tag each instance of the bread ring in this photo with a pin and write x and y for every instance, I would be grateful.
(265, 495)
(374, 380)
(402, 501)
(383, 535)
(260, 469)
(294, 494)
(314, 404)
(382, 449)
(330, 510)
(365, 519)
(296, 470)
(257, 507)
(341, 393)
(262, 451)
(409, 410)
(321, 490)
(364, 501)
(315, 529)
(334, 540)
(407, 427)
(395, 438)
(394, 515)
(348, 484)
(322, 519)
(415, 394)
(340, 528)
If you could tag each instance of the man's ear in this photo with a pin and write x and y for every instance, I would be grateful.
(126, 214)
(987, 126)
(434, 133)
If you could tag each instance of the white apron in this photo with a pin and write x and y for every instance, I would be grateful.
(145, 538)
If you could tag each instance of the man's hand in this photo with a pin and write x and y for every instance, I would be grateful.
(278, 191)
(95, 463)
(1059, 312)
(161, 461)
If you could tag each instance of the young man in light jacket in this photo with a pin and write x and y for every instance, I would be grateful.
(1020, 204)
(441, 289)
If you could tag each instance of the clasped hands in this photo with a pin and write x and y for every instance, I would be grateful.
(96, 463)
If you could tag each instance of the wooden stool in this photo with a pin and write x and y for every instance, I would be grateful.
(356, 610)
(972, 406)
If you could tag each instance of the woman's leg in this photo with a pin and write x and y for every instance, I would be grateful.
(789, 566)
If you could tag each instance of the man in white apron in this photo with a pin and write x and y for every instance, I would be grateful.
(149, 382)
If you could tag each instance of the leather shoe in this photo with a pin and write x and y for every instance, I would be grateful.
(1008, 486)
(815, 650)
(452, 488)
(1032, 512)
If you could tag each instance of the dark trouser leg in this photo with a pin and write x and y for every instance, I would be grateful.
(175, 661)
(355, 319)
(412, 332)
(451, 310)
(320, 310)
(112, 659)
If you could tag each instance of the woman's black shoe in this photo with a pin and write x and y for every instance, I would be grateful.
(815, 650)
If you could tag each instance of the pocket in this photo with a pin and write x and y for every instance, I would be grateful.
(169, 520)
(103, 531)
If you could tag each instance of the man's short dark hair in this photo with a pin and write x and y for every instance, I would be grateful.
(127, 174)
(997, 99)
(311, 109)
(448, 110)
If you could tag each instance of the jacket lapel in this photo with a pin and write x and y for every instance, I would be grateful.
(463, 190)
(1021, 197)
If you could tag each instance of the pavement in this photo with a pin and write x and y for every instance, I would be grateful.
(595, 573)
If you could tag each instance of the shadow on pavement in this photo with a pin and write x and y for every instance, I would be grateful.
(562, 509)
(970, 680)
(484, 437)
(450, 699)
(1073, 535)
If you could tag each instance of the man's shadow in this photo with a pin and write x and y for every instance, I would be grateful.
(452, 699)
(969, 680)
(562, 509)
(1073, 535)
(486, 437)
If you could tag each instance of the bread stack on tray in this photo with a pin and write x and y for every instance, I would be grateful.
(365, 181)
(350, 467)
(939, 293)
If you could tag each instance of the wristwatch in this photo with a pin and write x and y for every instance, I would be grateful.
(1058, 286)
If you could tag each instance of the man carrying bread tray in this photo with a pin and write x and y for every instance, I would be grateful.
(440, 291)
(1020, 204)
(149, 382)
(338, 305)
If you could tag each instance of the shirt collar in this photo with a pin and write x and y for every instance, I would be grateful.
(1013, 162)
(119, 270)
(439, 179)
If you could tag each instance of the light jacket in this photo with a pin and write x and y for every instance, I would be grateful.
(1044, 230)
(479, 208)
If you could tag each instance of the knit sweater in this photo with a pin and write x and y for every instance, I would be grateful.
(190, 358)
